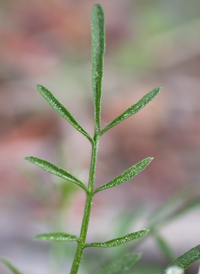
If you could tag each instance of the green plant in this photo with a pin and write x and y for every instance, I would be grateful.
(122, 264)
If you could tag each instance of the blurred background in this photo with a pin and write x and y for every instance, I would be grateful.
(148, 44)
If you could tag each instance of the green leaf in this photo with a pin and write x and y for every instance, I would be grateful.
(185, 260)
(133, 109)
(127, 219)
(167, 209)
(126, 175)
(185, 209)
(119, 241)
(163, 245)
(98, 49)
(57, 237)
(121, 265)
(51, 168)
(60, 109)
(10, 266)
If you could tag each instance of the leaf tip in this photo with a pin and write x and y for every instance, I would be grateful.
(149, 160)
(145, 231)
(98, 7)
(28, 158)
(36, 238)
(38, 86)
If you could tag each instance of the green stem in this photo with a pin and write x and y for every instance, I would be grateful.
(88, 206)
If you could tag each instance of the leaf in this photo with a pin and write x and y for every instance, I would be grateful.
(60, 109)
(165, 210)
(126, 175)
(163, 245)
(119, 241)
(53, 169)
(125, 220)
(185, 260)
(189, 206)
(98, 50)
(10, 266)
(57, 237)
(121, 265)
(133, 109)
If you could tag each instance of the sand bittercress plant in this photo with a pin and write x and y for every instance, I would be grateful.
(122, 264)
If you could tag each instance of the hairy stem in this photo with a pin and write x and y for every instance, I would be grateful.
(87, 211)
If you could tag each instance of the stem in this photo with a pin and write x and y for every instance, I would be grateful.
(98, 48)
(88, 206)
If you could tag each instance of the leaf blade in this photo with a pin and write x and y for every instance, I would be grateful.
(133, 109)
(10, 266)
(121, 265)
(98, 50)
(53, 169)
(56, 237)
(163, 245)
(166, 209)
(119, 241)
(184, 209)
(126, 175)
(185, 260)
(61, 110)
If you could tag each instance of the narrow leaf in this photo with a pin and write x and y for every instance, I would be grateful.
(185, 209)
(57, 237)
(125, 220)
(98, 49)
(163, 246)
(121, 265)
(119, 241)
(10, 266)
(126, 175)
(60, 109)
(166, 212)
(133, 109)
(51, 168)
(185, 260)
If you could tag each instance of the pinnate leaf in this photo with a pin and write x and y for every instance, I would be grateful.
(60, 109)
(185, 260)
(121, 265)
(119, 241)
(57, 237)
(133, 109)
(53, 169)
(10, 266)
(98, 49)
(126, 175)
